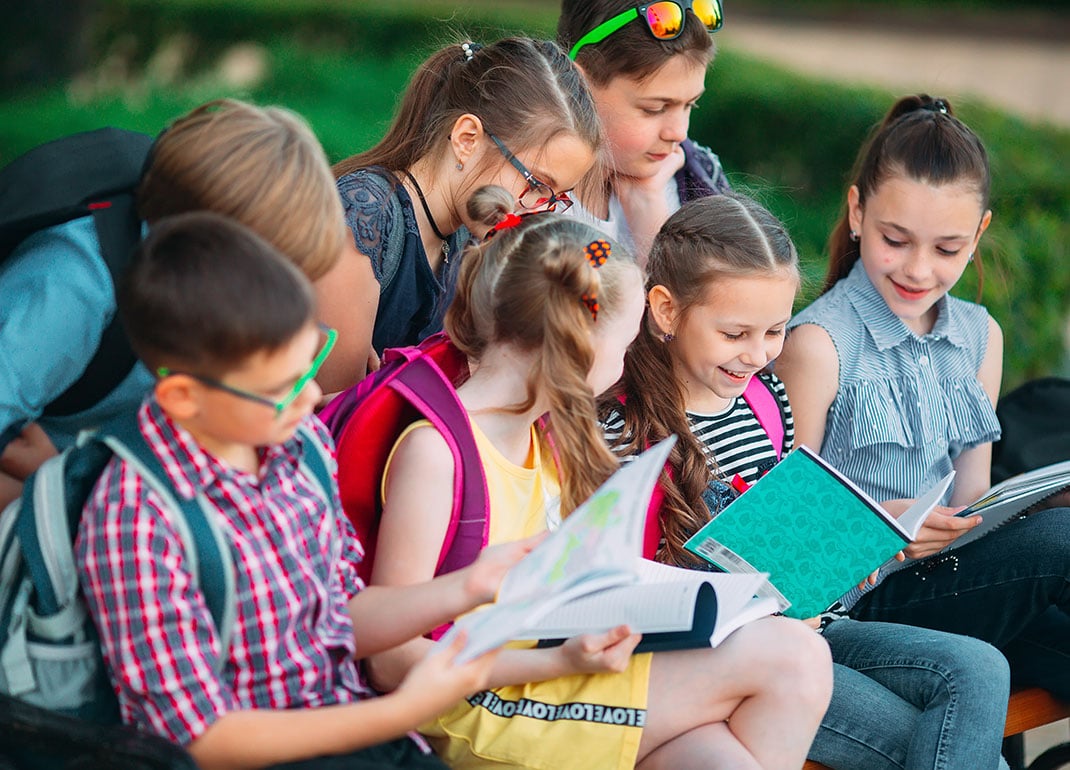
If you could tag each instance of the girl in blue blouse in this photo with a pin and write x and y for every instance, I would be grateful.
(896, 381)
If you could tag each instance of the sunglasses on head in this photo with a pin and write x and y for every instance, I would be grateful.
(664, 19)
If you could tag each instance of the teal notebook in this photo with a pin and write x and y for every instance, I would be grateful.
(811, 529)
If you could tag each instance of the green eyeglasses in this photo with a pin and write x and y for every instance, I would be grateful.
(330, 335)
(664, 19)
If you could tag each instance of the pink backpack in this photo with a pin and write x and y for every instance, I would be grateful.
(763, 402)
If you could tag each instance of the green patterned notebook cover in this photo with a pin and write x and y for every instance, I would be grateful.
(809, 527)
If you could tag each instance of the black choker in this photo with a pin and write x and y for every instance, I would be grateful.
(427, 209)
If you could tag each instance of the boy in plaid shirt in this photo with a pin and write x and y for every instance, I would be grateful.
(227, 325)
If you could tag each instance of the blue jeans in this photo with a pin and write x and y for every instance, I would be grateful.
(906, 698)
(1010, 588)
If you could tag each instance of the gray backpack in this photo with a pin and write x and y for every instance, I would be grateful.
(49, 650)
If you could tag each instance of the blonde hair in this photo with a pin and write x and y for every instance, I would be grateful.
(524, 287)
(261, 166)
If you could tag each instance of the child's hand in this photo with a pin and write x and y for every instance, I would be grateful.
(600, 653)
(439, 682)
(486, 573)
(26, 452)
(939, 530)
(871, 581)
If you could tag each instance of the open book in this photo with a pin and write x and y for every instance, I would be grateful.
(1005, 501)
(595, 554)
(811, 529)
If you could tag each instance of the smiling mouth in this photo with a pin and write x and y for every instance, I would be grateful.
(735, 376)
(908, 293)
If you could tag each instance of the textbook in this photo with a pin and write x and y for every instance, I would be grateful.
(593, 557)
(1005, 501)
(814, 532)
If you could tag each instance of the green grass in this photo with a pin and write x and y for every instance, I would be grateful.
(787, 139)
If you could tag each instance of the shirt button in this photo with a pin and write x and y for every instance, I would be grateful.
(923, 360)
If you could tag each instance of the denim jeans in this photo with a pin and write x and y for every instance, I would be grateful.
(906, 698)
(1010, 588)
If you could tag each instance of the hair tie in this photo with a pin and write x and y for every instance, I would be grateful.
(507, 222)
(470, 50)
(597, 252)
(937, 105)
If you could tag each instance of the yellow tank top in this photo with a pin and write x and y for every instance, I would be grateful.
(575, 722)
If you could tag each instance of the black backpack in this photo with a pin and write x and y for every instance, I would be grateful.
(1035, 418)
(95, 172)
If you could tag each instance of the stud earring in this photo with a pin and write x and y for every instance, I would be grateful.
(970, 258)
(668, 337)
(459, 166)
(853, 236)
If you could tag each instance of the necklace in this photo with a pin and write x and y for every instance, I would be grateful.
(430, 218)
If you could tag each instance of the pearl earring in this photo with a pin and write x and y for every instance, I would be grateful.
(459, 166)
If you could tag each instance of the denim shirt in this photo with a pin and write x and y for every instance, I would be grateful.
(412, 298)
(907, 405)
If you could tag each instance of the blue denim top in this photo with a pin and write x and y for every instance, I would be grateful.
(906, 406)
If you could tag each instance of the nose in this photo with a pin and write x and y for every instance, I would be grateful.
(674, 128)
(757, 352)
(917, 265)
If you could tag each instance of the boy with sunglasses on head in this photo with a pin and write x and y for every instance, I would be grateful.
(227, 324)
(646, 68)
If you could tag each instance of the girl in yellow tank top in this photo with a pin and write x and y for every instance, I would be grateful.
(545, 309)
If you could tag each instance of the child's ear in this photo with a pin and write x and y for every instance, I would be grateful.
(465, 138)
(986, 220)
(177, 396)
(854, 209)
(663, 308)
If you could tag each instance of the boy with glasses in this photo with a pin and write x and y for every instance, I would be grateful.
(228, 326)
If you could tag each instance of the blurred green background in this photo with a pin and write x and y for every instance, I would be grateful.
(68, 65)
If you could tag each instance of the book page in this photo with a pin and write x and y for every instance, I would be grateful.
(596, 546)
(914, 517)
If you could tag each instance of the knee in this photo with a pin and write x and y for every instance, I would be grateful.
(800, 662)
(981, 670)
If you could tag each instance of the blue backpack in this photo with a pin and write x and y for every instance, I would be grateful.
(49, 650)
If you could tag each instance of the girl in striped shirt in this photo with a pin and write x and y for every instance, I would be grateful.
(722, 278)
(895, 381)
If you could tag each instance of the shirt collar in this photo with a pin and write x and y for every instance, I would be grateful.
(886, 328)
(191, 468)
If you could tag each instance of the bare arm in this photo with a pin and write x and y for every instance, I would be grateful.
(644, 203)
(810, 368)
(973, 468)
(348, 298)
(261, 737)
(415, 518)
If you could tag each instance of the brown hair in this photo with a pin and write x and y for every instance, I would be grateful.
(204, 293)
(706, 240)
(260, 165)
(631, 51)
(524, 287)
(919, 139)
(524, 91)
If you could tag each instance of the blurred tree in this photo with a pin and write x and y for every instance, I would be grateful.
(43, 41)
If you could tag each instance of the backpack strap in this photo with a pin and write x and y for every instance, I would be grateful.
(205, 545)
(316, 462)
(118, 231)
(763, 402)
(423, 384)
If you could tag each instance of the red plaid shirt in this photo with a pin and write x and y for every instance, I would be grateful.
(295, 559)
